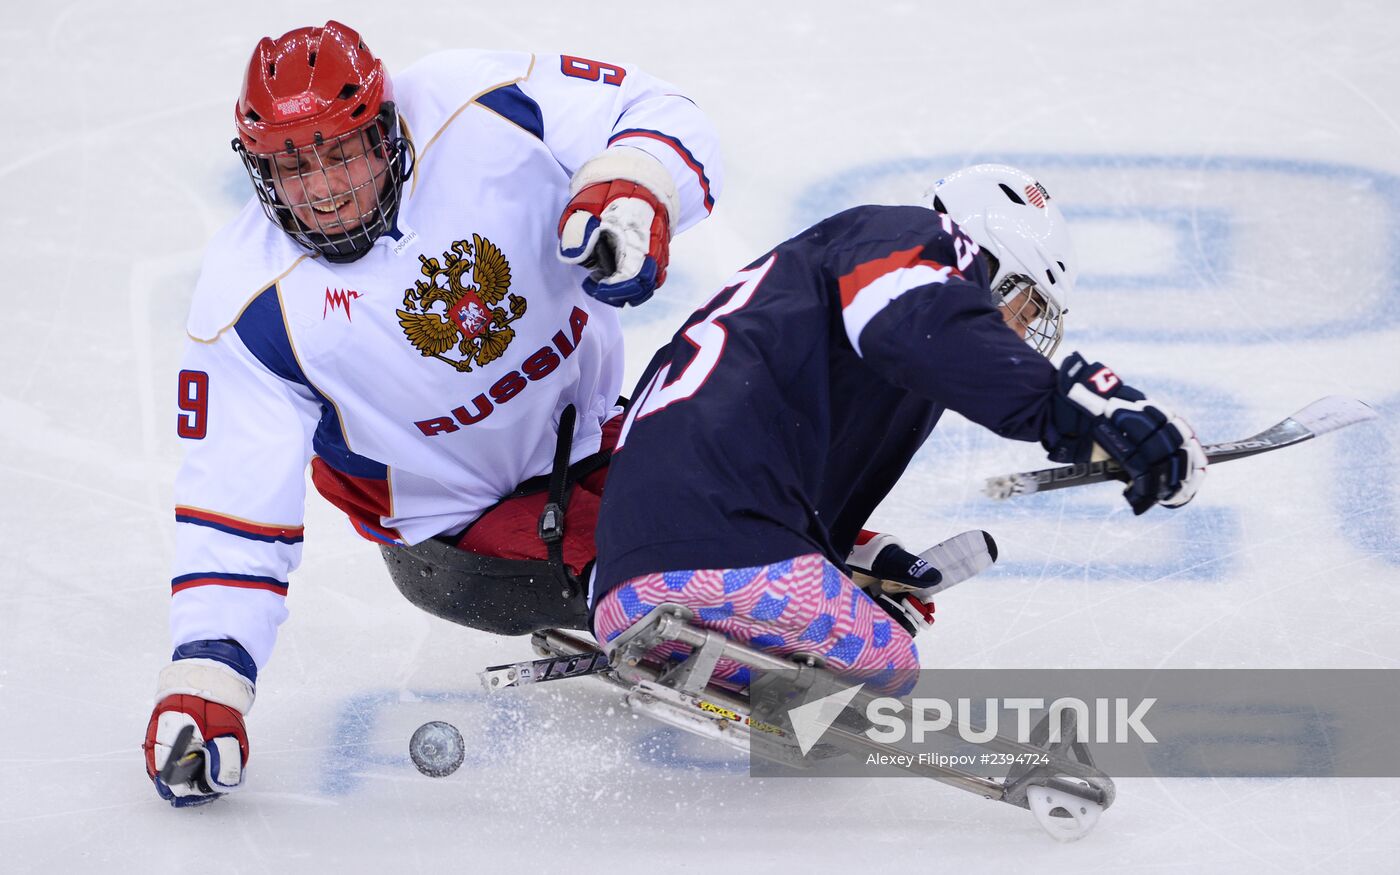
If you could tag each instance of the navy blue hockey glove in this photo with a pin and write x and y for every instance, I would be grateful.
(622, 208)
(204, 693)
(1157, 450)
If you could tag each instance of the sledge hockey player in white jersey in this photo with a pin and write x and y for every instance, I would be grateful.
(421, 303)
(782, 413)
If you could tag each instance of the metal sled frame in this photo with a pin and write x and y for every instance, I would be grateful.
(1066, 792)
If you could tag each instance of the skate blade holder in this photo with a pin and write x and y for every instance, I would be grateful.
(583, 661)
(716, 716)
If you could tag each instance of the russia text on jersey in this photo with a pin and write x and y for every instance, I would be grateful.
(536, 366)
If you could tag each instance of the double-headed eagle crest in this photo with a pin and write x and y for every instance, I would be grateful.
(469, 283)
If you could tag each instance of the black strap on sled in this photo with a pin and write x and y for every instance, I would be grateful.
(551, 527)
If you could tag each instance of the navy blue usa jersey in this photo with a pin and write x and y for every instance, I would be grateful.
(787, 407)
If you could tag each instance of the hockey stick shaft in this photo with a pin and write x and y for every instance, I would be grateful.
(1318, 418)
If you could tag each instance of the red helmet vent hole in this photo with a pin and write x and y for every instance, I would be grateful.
(272, 70)
(359, 111)
(348, 92)
(311, 60)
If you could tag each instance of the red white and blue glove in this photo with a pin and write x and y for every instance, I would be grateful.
(208, 686)
(1157, 449)
(622, 209)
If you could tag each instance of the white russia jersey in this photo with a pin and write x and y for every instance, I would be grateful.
(293, 359)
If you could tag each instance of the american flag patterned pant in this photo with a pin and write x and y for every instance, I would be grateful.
(800, 604)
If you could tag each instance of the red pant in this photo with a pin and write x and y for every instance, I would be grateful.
(510, 529)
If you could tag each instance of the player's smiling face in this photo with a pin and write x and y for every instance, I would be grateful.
(332, 188)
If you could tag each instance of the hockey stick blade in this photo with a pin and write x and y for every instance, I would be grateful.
(957, 559)
(1320, 417)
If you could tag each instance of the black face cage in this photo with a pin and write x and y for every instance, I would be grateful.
(335, 243)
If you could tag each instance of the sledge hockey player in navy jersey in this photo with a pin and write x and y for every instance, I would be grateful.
(764, 435)
(421, 302)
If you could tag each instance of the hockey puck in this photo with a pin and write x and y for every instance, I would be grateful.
(437, 749)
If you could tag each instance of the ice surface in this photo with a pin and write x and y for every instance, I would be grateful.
(1235, 173)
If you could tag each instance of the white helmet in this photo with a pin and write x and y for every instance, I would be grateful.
(1009, 215)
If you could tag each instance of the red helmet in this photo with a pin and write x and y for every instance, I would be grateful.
(318, 96)
(309, 84)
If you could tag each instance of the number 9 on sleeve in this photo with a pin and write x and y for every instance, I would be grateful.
(193, 421)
